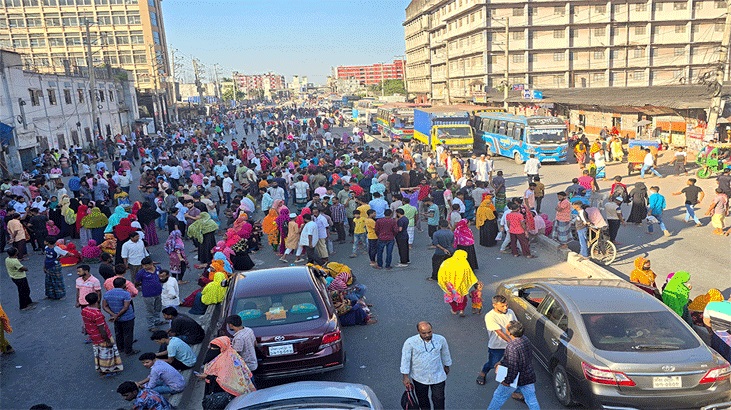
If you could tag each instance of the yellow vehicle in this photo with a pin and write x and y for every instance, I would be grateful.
(443, 125)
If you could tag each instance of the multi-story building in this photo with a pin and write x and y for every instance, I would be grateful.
(372, 74)
(457, 48)
(268, 81)
(49, 110)
(51, 36)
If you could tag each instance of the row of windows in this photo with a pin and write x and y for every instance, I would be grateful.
(55, 3)
(102, 18)
(619, 8)
(76, 39)
(613, 54)
(602, 32)
(37, 95)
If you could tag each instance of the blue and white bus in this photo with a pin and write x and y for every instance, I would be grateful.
(518, 136)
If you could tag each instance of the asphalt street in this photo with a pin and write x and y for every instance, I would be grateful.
(53, 365)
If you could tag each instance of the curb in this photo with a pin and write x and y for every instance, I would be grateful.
(591, 269)
(190, 379)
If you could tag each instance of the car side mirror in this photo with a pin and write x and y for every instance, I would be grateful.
(224, 283)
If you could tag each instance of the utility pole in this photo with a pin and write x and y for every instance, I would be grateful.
(507, 64)
(236, 93)
(402, 57)
(714, 111)
(157, 106)
(92, 80)
(198, 83)
(173, 63)
(382, 81)
(447, 100)
(215, 73)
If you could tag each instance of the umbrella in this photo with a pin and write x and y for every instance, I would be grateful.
(642, 123)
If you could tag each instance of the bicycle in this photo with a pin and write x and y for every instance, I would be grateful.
(601, 249)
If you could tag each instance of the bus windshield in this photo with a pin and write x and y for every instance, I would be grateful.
(546, 136)
(404, 122)
(457, 132)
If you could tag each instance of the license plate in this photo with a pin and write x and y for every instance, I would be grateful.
(280, 350)
(670, 382)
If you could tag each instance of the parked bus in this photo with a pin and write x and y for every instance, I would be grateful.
(396, 121)
(518, 136)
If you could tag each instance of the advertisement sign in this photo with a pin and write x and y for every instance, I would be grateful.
(518, 87)
(537, 95)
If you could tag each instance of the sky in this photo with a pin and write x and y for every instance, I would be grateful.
(289, 37)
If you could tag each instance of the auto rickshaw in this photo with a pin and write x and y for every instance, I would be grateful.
(636, 153)
(713, 159)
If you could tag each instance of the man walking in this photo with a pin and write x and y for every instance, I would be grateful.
(531, 167)
(133, 251)
(656, 205)
(386, 229)
(648, 164)
(118, 303)
(496, 322)
(17, 273)
(402, 238)
(693, 196)
(613, 212)
(443, 243)
(518, 360)
(425, 362)
(149, 281)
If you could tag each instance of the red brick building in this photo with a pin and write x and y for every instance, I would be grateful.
(372, 74)
(268, 81)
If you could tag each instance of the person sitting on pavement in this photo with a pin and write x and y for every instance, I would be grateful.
(163, 378)
(174, 351)
(183, 326)
(224, 370)
(143, 399)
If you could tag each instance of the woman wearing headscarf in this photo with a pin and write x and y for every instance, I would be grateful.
(95, 222)
(203, 231)
(282, 222)
(350, 313)
(214, 293)
(147, 216)
(638, 194)
(82, 210)
(456, 278)
(486, 222)
(675, 295)
(464, 240)
(122, 231)
(5, 347)
(269, 228)
(225, 370)
(642, 273)
(68, 218)
(175, 249)
(118, 215)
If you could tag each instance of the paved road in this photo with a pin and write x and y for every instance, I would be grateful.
(51, 353)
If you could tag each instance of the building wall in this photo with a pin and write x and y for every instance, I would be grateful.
(268, 81)
(51, 35)
(372, 74)
(56, 109)
(582, 43)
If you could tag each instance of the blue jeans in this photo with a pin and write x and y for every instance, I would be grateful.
(583, 241)
(359, 239)
(388, 246)
(690, 214)
(162, 220)
(502, 394)
(164, 389)
(493, 357)
(651, 168)
(659, 219)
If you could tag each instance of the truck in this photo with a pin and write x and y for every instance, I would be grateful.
(443, 125)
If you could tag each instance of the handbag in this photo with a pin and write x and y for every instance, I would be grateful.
(409, 400)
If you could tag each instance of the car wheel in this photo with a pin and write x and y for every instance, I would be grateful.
(561, 386)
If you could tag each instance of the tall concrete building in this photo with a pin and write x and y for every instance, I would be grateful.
(455, 49)
(51, 36)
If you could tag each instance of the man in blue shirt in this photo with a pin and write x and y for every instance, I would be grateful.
(378, 204)
(75, 185)
(174, 351)
(163, 378)
(656, 204)
(118, 303)
(148, 279)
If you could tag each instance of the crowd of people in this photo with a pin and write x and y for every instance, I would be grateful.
(315, 189)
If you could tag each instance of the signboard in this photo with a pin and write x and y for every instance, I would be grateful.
(527, 94)
(518, 87)
(537, 94)
(479, 97)
(538, 121)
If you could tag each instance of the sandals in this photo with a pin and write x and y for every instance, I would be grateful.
(481, 380)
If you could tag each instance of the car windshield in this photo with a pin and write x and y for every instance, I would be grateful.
(457, 132)
(643, 331)
(279, 309)
(546, 136)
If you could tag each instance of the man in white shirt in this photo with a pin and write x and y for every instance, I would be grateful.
(649, 164)
(228, 187)
(244, 341)
(308, 240)
(323, 229)
(531, 167)
(133, 251)
(170, 294)
(425, 362)
(276, 191)
(496, 323)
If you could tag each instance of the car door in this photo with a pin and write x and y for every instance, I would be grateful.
(554, 327)
(527, 301)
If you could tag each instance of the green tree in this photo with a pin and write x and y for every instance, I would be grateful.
(228, 94)
(390, 87)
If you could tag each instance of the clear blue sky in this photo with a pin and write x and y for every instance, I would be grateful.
(305, 37)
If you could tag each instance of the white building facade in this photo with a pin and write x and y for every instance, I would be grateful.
(53, 111)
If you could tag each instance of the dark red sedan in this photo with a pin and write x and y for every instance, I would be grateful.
(297, 330)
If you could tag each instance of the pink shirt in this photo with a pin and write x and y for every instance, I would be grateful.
(129, 286)
(563, 211)
(197, 179)
(86, 287)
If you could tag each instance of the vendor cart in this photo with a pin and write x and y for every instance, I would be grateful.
(636, 153)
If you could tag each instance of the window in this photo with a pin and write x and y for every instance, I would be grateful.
(111, 95)
(133, 19)
(37, 40)
(599, 55)
(73, 39)
(599, 77)
(679, 51)
(101, 2)
(53, 21)
(718, 27)
(640, 30)
(638, 53)
(657, 6)
(16, 21)
(680, 6)
(121, 40)
(559, 33)
(80, 94)
(518, 58)
(720, 4)
(125, 59)
(616, 8)
(554, 312)
(520, 35)
(20, 42)
(13, 3)
(680, 29)
(55, 40)
(615, 331)
(69, 21)
(534, 296)
(118, 17)
(35, 96)
(103, 19)
(52, 96)
(518, 12)
(532, 11)
(641, 7)
(153, 19)
(299, 307)
(101, 96)
(600, 32)
(559, 11)
(600, 9)
(67, 96)
(33, 20)
(574, 33)
(136, 37)
(698, 5)
(558, 56)
(638, 75)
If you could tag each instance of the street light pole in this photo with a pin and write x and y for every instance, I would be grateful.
(92, 79)
(507, 63)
